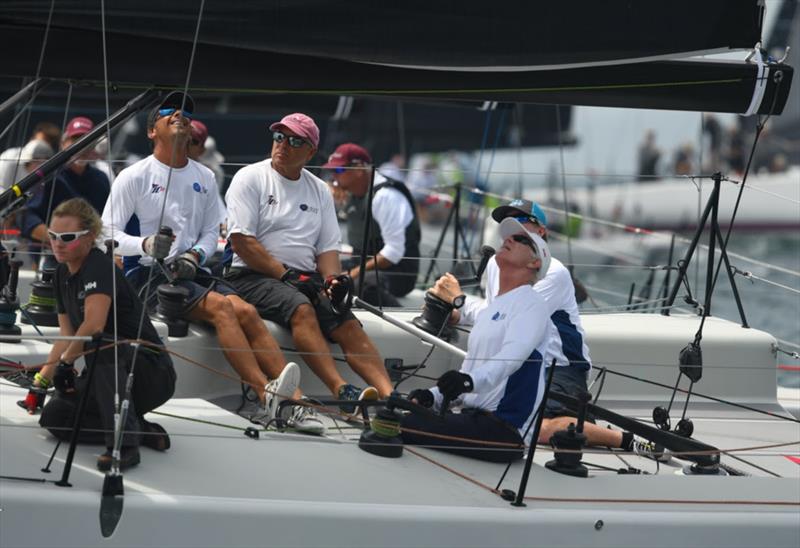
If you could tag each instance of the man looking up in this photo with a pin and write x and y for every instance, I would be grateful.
(193, 212)
(568, 346)
(283, 230)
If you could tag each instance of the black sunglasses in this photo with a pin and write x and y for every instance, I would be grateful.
(294, 142)
(524, 240)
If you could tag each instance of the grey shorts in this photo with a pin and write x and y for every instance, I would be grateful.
(198, 288)
(277, 301)
(567, 380)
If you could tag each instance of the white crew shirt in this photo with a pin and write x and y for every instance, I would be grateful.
(506, 357)
(295, 221)
(392, 212)
(559, 295)
(193, 209)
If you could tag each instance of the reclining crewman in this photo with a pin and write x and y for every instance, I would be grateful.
(283, 230)
(568, 346)
(392, 262)
(501, 383)
(193, 211)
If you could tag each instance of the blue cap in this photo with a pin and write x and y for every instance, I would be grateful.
(517, 207)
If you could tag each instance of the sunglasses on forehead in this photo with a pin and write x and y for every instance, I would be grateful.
(294, 142)
(526, 219)
(66, 237)
(170, 111)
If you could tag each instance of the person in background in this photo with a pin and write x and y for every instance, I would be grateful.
(202, 148)
(12, 168)
(285, 237)
(78, 179)
(392, 251)
(648, 157)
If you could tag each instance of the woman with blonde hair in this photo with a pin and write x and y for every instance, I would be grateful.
(84, 287)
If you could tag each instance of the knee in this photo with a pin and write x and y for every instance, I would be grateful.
(551, 426)
(247, 313)
(221, 310)
(57, 417)
(304, 315)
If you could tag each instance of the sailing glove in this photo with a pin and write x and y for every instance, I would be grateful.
(454, 383)
(157, 245)
(64, 379)
(424, 397)
(34, 400)
(307, 284)
(185, 266)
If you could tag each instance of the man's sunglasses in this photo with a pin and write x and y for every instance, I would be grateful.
(294, 142)
(524, 240)
(339, 170)
(66, 237)
(527, 219)
(170, 111)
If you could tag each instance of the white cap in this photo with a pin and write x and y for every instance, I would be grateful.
(510, 226)
(35, 150)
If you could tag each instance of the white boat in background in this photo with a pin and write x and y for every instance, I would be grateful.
(772, 203)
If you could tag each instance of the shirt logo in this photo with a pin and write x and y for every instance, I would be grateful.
(498, 316)
(271, 200)
(199, 188)
(155, 188)
(306, 207)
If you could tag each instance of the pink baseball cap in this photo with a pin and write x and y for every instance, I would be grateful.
(348, 154)
(199, 131)
(300, 124)
(80, 125)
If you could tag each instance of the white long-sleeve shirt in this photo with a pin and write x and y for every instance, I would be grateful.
(506, 358)
(193, 209)
(568, 347)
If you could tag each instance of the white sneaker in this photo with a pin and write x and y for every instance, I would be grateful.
(305, 419)
(650, 450)
(276, 391)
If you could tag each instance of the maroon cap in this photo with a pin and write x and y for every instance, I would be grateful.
(301, 125)
(80, 125)
(199, 131)
(348, 154)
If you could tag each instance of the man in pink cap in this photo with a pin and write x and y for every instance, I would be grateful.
(78, 179)
(285, 237)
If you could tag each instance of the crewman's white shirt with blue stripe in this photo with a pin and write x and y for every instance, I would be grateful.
(505, 352)
(193, 211)
(568, 347)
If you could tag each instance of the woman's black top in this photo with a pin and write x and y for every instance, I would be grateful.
(94, 277)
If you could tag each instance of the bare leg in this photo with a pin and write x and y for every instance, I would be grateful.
(268, 354)
(265, 348)
(218, 311)
(362, 356)
(595, 435)
(311, 344)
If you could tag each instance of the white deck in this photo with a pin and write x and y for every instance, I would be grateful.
(218, 487)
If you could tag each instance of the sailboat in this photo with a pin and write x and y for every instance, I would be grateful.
(733, 479)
